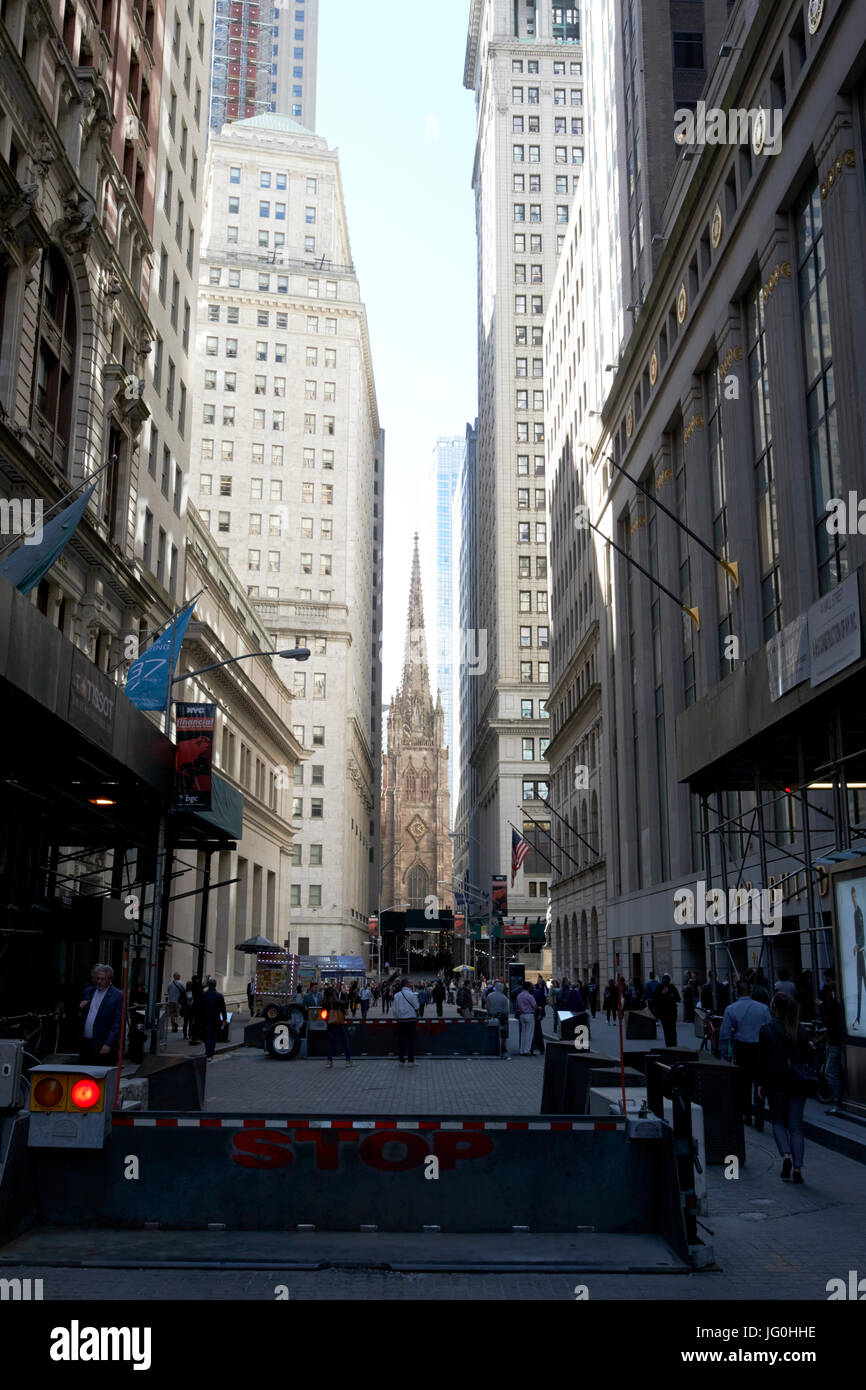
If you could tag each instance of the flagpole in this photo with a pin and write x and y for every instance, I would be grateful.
(159, 872)
(157, 630)
(85, 482)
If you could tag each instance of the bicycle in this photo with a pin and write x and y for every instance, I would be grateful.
(710, 1025)
(818, 1044)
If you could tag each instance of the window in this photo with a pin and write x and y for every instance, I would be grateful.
(526, 672)
(535, 154)
(535, 212)
(526, 637)
(527, 749)
(762, 443)
(532, 94)
(520, 212)
(318, 685)
(524, 566)
(205, 484)
(309, 215)
(330, 357)
(327, 494)
(523, 536)
(541, 533)
(830, 550)
(254, 559)
(279, 385)
(256, 489)
(688, 48)
(562, 212)
(312, 323)
(328, 424)
(317, 809)
(231, 347)
(318, 735)
(327, 458)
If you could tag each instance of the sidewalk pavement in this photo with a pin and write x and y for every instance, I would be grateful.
(838, 1131)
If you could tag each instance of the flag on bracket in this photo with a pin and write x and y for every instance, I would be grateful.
(519, 850)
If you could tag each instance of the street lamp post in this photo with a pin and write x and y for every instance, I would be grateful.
(160, 889)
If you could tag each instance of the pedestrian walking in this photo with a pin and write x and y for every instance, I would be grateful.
(353, 997)
(784, 984)
(251, 996)
(423, 999)
(650, 988)
(741, 1026)
(526, 1007)
(464, 1001)
(213, 1015)
(831, 1017)
(783, 1053)
(760, 992)
(665, 1002)
(186, 1008)
(496, 1002)
(366, 999)
(174, 994)
(540, 996)
(609, 1002)
(195, 1022)
(439, 997)
(407, 1011)
(335, 1002)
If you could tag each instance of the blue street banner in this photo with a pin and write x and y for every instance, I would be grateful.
(148, 678)
(30, 563)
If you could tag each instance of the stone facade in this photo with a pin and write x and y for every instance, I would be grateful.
(416, 845)
(288, 475)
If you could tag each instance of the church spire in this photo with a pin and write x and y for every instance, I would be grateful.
(415, 685)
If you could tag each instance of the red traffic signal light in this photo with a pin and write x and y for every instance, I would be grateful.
(85, 1093)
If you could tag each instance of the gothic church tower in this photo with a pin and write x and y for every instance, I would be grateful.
(415, 809)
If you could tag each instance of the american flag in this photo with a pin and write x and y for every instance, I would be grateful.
(519, 850)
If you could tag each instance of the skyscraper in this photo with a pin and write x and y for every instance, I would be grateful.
(243, 58)
(264, 59)
(288, 467)
(295, 52)
(524, 63)
(449, 457)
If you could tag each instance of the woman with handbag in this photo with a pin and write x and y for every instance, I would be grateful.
(335, 1003)
(786, 1077)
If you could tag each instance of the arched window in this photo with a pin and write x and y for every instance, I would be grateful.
(55, 359)
(425, 784)
(416, 885)
(410, 782)
(594, 840)
(584, 830)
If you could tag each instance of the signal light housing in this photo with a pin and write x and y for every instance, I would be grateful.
(70, 1107)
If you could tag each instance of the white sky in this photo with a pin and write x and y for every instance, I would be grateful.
(391, 99)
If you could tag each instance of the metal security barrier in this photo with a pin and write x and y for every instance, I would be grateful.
(256, 1173)
(434, 1037)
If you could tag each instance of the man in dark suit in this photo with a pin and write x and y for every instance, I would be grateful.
(101, 1010)
(213, 1012)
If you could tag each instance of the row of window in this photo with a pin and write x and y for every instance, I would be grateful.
(576, 69)
(524, 601)
(523, 532)
(522, 400)
(314, 890)
(527, 749)
(543, 674)
(212, 343)
(266, 176)
(535, 212)
(256, 485)
(277, 527)
(524, 566)
(315, 858)
(299, 685)
(165, 555)
(542, 639)
(518, 181)
(280, 355)
(277, 460)
(526, 708)
(574, 95)
(523, 432)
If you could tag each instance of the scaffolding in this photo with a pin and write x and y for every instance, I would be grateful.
(243, 54)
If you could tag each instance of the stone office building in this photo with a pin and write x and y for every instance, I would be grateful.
(288, 475)
(733, 704)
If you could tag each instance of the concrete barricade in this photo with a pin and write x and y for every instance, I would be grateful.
(287, 1173)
